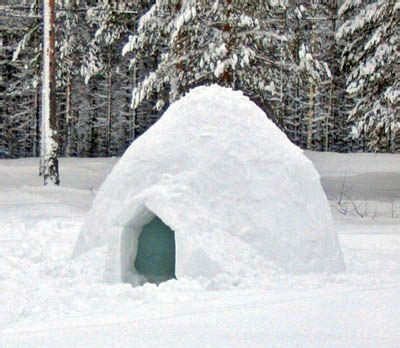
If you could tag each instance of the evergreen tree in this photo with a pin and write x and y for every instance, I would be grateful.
(280, 53)
(110, 22)
(370, 60)
(309, 121)
(20, 101)
(237, 44)
(71, 35)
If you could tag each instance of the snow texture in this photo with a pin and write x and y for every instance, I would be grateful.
(241, 198)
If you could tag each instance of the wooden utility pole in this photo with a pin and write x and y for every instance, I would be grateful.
(49, 117)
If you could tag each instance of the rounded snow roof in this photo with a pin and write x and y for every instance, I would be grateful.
(239, 195)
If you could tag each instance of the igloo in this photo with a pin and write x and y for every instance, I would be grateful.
(213, 187)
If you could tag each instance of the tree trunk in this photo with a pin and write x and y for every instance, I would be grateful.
(109, 106)
(311, 98)
(68, 107)
(311, 108)
(49, 117)
(134, 118)
(36, 141)
(329, 115)
(93, 140)
(128, 129)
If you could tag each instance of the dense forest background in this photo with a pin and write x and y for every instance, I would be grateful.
(326, 72)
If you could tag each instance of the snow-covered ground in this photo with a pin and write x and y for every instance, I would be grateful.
(49, 300)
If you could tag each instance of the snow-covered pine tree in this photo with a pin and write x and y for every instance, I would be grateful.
(309, 119)
(21, 55)
(72, 31)
(370, 60)
(111, 22)
(234, 43)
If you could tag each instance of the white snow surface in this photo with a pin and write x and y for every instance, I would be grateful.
(48, 300)
(241, 198)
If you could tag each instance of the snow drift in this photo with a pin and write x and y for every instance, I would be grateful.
(239, 196)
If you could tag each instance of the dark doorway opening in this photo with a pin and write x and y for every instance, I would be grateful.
(155, 257)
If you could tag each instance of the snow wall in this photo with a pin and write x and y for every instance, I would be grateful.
(240, 197)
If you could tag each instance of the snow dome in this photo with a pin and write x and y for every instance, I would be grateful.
(214, 187)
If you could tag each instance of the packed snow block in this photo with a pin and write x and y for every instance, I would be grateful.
(235, 196)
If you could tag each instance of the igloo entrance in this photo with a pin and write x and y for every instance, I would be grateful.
(155, 257)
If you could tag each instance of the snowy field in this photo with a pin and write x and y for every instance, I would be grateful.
(49, 300)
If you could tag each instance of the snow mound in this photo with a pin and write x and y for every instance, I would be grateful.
(240, 197)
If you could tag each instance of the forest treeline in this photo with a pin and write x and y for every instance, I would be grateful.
(326, 72)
